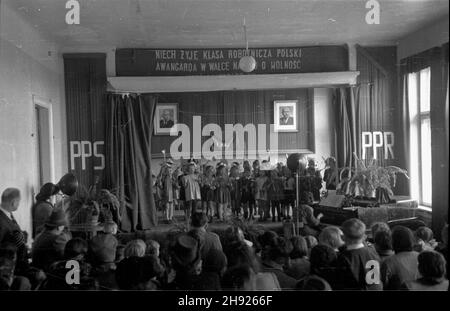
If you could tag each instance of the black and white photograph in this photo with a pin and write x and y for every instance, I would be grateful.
(223, 154)
(166, 116)
(285, 116)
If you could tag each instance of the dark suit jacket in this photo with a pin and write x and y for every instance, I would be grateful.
(48, 248)
(208, 241)
(290, 121)
(167, 124)
(10, 233)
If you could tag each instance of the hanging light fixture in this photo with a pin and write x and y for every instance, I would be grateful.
(247, 63)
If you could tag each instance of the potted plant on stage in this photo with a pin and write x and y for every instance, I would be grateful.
(373, 181)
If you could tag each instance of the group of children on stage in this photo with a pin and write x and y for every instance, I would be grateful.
(222, 190)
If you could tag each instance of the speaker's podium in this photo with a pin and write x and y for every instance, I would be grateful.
(335, 213)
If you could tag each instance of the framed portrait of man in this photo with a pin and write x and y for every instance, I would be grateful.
(166, 116)
(285, 116)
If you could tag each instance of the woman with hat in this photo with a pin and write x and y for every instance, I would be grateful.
(186, 261)
(43, 208)
(49, 245)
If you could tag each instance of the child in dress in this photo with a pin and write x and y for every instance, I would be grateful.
(166, 185)
(208, 187)
(192, 192)
(223, 196)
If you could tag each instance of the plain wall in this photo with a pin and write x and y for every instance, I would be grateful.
(426, 38)
(30, 66)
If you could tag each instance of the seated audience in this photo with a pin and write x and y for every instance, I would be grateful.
(403, 265)
(76, 249)
(323, 264)
(8, 279)
(432, 270)
(299, 265)
(424, 240)
(138, 273)
(213, 268)
(332, 236)
(208, 240)
(135, 248)
(186, 263)
(102, 257)
(275, 261)
(313, 282)
(240, 278)
(311, 241)
(241, 254)
(50, 243)
(383, 244)
(352, 260)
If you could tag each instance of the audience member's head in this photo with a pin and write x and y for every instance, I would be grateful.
(300, 247)
(136, 273)
(7, 267)
(10, 199)
(46, 192)
(432, 266)
(240, 254)
(185, 255)
(331, 236)
(383, 241)
(240, 277)
(153, 248)
(379, 226)
(424, 233)
(311, 241)
(135, 248)
(402, 239)
(199, 220)
(280, 252)
(354, 231)
(102, 249)
(322, 257)
(268, 238)
(110, 227)
(313, 282)
(215, 261)
(76, 249)
(57, 220)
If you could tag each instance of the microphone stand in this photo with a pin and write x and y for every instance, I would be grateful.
(297, 203)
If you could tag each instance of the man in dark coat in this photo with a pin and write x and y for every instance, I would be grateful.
(10, 232)
(208, 240)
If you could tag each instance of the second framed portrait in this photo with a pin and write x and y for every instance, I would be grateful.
(285, 116)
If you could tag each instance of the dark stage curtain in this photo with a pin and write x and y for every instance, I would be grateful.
(345, 132)
(128, 158)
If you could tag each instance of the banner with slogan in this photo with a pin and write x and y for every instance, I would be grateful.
(225, 61)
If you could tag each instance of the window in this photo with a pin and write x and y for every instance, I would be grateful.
(420, 135)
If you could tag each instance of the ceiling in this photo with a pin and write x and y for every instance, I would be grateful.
(218, 23)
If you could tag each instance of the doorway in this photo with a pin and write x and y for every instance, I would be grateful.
(43, 141)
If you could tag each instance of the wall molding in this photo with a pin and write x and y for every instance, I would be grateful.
(230, 82)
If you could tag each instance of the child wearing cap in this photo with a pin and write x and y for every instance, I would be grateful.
(358, 265)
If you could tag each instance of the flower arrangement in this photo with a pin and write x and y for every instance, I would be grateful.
(371, 179)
